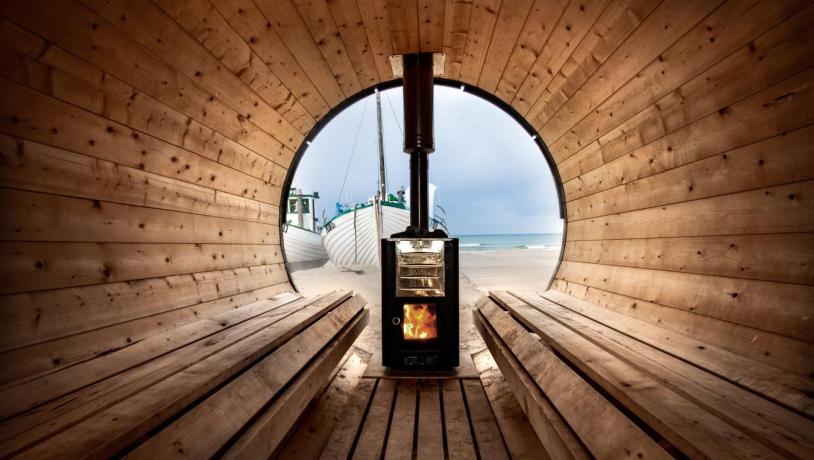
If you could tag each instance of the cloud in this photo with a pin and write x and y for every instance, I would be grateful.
(491, 176)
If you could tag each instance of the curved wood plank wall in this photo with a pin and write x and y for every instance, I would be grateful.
(144, 146)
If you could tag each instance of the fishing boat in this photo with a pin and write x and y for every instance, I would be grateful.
(301, 238)
(351, 237)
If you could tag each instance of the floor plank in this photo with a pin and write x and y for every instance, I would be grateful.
(430, 436)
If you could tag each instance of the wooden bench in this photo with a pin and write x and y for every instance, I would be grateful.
(595, 383)
(232, 384)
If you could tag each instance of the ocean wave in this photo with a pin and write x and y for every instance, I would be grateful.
(539, 246)
(471, 245)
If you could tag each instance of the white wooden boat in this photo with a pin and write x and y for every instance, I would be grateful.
(301, 239)
(352, 238)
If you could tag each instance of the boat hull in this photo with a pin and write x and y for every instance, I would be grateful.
(303, 248)
(351, 239)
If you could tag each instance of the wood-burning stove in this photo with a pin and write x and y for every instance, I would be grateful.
(419, 267)
(420, 302)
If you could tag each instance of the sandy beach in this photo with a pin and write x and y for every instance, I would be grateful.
(522, 270)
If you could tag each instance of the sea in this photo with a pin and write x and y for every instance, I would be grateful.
(479, 243)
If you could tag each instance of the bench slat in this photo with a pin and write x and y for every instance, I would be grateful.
(55, 416)
(774, 424)
(696, 432)
(265, 436)
(110, 423)
(785, 388)
(558, 439)
(330, 410)
(28, 394)
(222, 415)
(606, 432)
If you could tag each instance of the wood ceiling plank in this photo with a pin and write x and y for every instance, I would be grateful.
(572, 27)
(456, 27)
(203, 22)
(324, 31)
(248, 21)
(732, 26)
(53, 122)
(539, 25)
(510, 21)
(47, 68)
(773, 57)
(157, 32)
(481, 26)
(292, 30)
(431, 15)
(402, 15)
(669, 22)
(113, 52)
(377, 26)
(754, 119)
(615, 24)
(348, 20)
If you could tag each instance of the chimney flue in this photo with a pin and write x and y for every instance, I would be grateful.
(418, 132)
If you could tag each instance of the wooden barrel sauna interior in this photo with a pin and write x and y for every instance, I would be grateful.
(146, 146)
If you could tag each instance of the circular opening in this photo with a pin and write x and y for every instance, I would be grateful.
(496, 191)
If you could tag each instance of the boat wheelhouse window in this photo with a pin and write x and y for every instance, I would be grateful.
(292, 205)
(305, 206)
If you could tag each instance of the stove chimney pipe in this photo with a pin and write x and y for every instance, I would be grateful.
(418, 135)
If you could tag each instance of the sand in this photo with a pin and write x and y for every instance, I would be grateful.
(521, 270)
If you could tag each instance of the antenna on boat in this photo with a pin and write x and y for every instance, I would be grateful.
(382, 170)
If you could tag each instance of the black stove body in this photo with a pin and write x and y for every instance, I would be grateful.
(419, 266)
(420, 302)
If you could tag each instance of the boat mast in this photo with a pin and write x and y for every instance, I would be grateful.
(382, 173)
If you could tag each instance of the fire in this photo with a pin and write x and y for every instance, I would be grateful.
(419, 321)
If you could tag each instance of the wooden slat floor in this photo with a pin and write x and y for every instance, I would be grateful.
(457, 418)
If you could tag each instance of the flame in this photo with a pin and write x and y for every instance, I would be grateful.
(419, 321)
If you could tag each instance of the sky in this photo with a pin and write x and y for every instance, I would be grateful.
(491, 176)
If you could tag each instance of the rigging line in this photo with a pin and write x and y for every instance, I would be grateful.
(353, 149)
(394, 114)
(396, 118)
